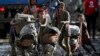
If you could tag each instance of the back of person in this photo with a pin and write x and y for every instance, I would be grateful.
(84, 32)
(90, 6)
(72, 5)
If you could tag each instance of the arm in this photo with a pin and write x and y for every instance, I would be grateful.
(68, 47)
(60, 40)
(86, 30)
(67, 41)
(67, 16)
(13, 22)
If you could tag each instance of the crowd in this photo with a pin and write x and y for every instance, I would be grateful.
(63, 29)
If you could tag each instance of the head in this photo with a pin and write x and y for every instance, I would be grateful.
(51, 34)
(32, 2)
(81, 17)
(61, 6)
(26, 10)
(26, 40)
(27, 35)
(41, 13)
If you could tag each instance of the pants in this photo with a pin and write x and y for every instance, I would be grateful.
(91, 23)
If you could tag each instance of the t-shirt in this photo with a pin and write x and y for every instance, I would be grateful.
(90, 6)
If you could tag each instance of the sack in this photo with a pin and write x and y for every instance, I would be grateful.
(74, 30)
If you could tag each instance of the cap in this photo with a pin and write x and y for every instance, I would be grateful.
(28, 29)
(52, 30)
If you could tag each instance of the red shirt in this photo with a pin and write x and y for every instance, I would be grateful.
(90, 6)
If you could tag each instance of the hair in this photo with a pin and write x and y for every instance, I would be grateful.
(61, 4)
(81, 15)
(26, 8)
(51, 30)
(40, 10)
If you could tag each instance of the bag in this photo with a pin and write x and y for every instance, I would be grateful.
(74, 30)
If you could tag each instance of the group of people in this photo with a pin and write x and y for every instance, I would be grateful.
(49, 35)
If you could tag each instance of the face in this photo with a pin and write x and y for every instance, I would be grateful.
(80, 18)
(26, 10)
(61, 8)
(51, 38)
(41, 15)
(26, 42)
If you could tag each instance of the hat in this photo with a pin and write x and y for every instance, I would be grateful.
(52, 30)
(28, 29)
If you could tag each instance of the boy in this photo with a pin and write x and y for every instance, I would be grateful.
(85, 34)
(70, 38)
(48, 41)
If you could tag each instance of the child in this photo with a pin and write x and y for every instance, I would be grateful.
(69, 40)
(48, 40)
(84, 34)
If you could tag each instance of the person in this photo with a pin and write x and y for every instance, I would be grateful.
(13, 32)
(48, 40)
(91, 13)
(97, 21)
(15, 29)
(85, 37)
(74, 7)
(26, 43)
(60, 15)
(32, 8)
(52, 6)
(43, 18)
(70, 42)
(26, 10)
(17, 25)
